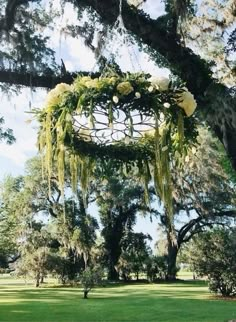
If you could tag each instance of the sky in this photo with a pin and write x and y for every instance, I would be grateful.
(76, 56)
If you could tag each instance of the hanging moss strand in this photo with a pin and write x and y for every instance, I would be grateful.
(180, 129)
(49, 149)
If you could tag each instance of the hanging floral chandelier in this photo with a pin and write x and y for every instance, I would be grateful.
(133, 119)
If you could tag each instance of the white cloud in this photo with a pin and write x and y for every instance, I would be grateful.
(19, 152)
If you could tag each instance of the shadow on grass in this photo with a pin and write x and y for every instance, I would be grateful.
(117, 302)
(109, 293)
(129, 307)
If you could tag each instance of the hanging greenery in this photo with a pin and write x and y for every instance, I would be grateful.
(132, 119)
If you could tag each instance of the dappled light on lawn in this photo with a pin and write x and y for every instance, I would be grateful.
(139, 302)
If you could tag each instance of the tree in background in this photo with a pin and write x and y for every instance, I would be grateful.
(157, 268)
(25, 203)
(90, 278)
(134, 254)
(34, 250)
(25, 199)
(119, 200)
(204, 196)
(214, 255)
(15, 216)
(75, 231)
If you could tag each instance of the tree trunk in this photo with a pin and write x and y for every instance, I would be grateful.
(37, 281)
(41, 279)
(112, 275)
(171, 261)
(124, 277)
(172, 251)
(86, 294)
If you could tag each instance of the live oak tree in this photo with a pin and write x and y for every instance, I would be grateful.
(25, 201)
(135, 254)
(204, 196)
(34, 251)
(213, 255)
(119, 199)
(29, 61)
(75, 231)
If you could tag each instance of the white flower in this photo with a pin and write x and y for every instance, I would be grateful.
(127, 139)
(125, 88)
(186, 101)
(115, 99)
(53, 97)
(186, 159)
(135, 3)
(85, 134)
(161, 83)
(166, 105)
(150, 89)
(137, 95)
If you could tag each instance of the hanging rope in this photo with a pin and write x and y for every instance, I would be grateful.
(118, 31)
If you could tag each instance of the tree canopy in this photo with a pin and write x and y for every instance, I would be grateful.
(173, 40)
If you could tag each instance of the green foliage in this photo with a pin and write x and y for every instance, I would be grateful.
(90, 278)
(227, 165)
(203, 196)
(157, 268)
(33, 260)
(214, 255)
(75, 230)
(135, 254)
(6, 135)
(119, 199)
(24, 48)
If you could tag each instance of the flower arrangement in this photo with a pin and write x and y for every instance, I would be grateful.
(97, 118)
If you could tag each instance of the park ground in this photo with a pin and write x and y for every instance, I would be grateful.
(184, 301)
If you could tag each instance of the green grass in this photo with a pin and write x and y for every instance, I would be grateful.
(180, 302)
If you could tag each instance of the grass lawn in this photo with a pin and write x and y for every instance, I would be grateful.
(183, 301)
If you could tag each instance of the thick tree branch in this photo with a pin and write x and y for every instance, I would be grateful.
(33, 80)
(186, 228)
(13, 259)
(195, 225)
(154, 33)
